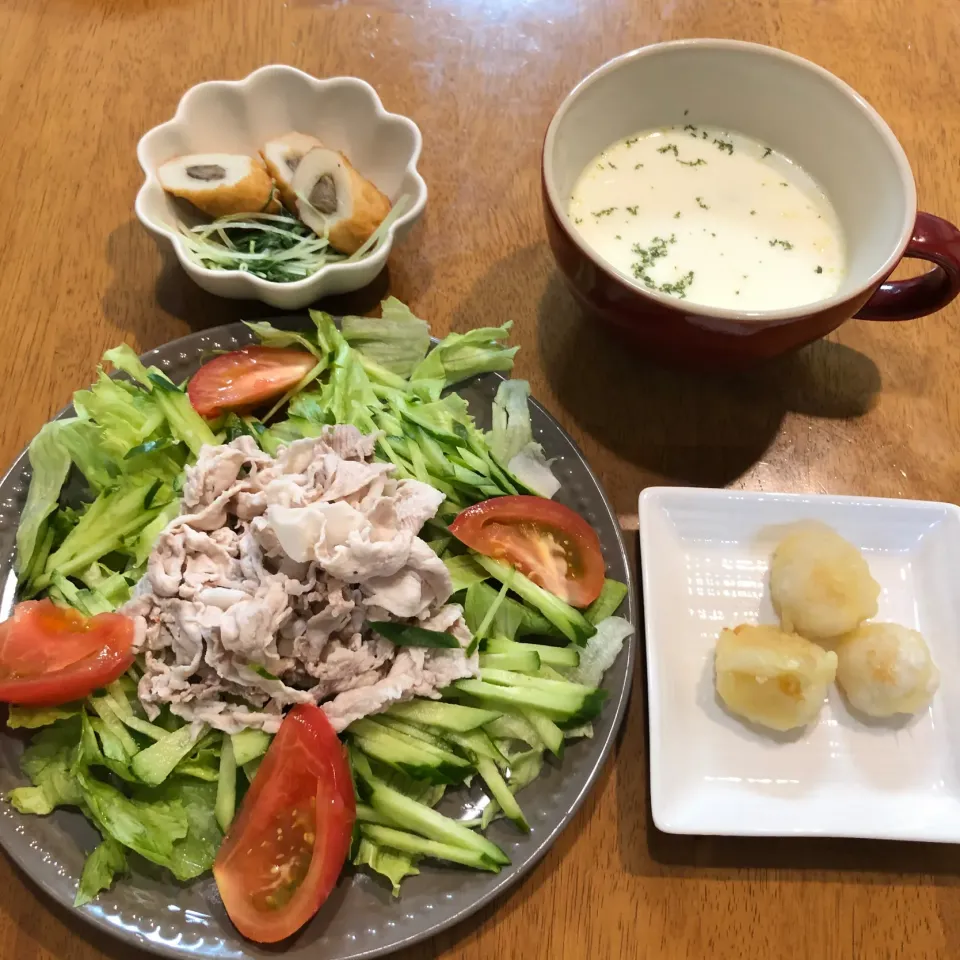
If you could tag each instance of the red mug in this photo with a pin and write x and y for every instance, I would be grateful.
(810, 116)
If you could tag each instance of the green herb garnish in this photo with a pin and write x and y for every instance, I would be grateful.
(603, 213)
(633, 210)
(818, 270)
(699, 162)
(766, 152)
(786, 244)
(701, 204)
(679, 287)
(724, 145)
(669, 148)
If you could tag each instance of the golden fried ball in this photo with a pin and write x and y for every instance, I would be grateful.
(884, 669)
(820, 584)
(773, 678)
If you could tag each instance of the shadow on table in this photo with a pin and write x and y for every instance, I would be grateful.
(148, 284)
(682, 427)
(689, 427)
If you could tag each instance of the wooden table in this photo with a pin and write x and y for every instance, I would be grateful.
(873, 410)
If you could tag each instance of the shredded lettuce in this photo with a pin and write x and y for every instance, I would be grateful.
(184, 422)
(511, 439)
(99, 871)
(460, 356)
(50, 464)
(391, 864)
(601, 651)
(397, 341)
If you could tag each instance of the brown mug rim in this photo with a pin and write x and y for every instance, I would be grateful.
(722, 313)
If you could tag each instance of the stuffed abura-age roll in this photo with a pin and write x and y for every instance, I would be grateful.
(220, 183)
(333, 199)
(282, 156)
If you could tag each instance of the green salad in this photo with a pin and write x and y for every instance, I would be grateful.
(108, 481)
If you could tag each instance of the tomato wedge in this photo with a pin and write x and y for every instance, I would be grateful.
(51, 654)
(284, 852)
(546, 541)
(244, 379)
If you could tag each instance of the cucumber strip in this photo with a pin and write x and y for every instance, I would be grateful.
(606, 605)
(548, 673)
(366, 814)
(446, 716)
(432, 744)
(512, 679)
(414, 760)
(570, 622)
(558, 706)
(501, 792)
(407, 635)
(547, 731)
(525, 661)
(488, 618)
(198, 771)
(435, 826)
(514, 726)
(477, 743)
(148, 729)
(249, 744)
(154, 764)
(118, 697)
(107, 713)
(551, 656)
(226, 803)
(411, 843)
(410, 729)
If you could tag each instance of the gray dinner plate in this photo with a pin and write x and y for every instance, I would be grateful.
(361, 918)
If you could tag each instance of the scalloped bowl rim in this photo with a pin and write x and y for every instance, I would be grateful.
(378, 256)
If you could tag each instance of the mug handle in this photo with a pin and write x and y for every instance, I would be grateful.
(933, 239)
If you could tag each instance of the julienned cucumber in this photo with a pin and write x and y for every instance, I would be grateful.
(417, 759)
(526, 661)
(419, 846)
(501, 792)
(249, 744)
(424, 820)
(447, 716)
(570, 622)
(476, 744)
(547, 731)
(551, 656)
(606, 605)
(513, 679)
(562, 707)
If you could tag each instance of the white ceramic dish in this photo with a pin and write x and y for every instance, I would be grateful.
(705, 555)
(238, 116)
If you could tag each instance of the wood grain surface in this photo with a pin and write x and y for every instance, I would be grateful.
(873, 410)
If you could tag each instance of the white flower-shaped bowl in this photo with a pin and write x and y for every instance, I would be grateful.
(238, 116)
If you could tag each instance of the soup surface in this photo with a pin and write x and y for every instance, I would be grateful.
(710, 216)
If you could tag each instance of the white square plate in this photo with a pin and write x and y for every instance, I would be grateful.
(705, 555)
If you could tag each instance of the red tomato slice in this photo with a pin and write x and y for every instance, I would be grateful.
(284, 852)
(246, 378)
(546, 541)
(51, 655)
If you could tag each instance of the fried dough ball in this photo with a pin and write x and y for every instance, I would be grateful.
(820, 584)
(885, 669)
(773, 678)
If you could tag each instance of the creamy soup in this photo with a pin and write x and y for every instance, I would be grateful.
(710, 216)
